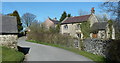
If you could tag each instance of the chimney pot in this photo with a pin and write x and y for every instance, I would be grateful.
(92, 11)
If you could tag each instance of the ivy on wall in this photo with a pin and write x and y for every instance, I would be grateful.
(110, 23)
(85, 28)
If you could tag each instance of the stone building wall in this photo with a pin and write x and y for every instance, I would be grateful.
(72, 29)
(48, 23)
(96, 46)
(9, 41)
(92, 19)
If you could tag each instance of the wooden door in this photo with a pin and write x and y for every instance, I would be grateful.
(94, 35)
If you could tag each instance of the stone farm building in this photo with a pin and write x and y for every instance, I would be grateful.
(101, 30)
(71, 26)
(51, 23)
(8, 31)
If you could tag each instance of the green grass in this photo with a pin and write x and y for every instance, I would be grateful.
(91, 56)
(11, 55)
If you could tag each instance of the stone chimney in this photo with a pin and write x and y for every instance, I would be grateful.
(92, 11)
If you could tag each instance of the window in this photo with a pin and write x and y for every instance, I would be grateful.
(79, 35)
(65, 26)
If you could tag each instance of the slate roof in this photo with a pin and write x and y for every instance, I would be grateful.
(76, 19)
(98, 26)
(8, 24)
(54, 21)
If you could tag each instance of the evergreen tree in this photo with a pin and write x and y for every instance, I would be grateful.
(64, 15)
(19, 24)
(69, 15)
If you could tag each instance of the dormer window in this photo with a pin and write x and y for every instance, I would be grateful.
(65, 26)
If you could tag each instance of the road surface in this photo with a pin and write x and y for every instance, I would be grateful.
(39, 52)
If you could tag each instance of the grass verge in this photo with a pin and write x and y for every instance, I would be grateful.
(96, 58)
(11, 56)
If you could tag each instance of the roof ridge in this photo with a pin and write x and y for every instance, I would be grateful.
(10, 27)
(52, 19)
(76, 19)
(79, 16)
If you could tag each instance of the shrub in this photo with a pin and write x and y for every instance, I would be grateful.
(85, 28)
(41, 34)
(113, 54)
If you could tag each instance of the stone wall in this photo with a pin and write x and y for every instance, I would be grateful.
(96, 46)
(9, 41)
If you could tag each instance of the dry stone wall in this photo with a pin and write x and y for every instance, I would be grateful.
(9, 41)
(96, 46)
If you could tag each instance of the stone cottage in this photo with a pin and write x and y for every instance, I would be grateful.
(51, 23)
(71, 25)
(8, 31)
(101, 30)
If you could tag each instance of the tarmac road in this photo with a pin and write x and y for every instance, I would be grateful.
(39, 52)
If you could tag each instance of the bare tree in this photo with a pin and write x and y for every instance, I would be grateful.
(105, 17)
(81, 12)
(27, 19)
(113, 7)
(102, 17)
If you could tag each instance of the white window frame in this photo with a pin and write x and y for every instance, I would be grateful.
(66, 27)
